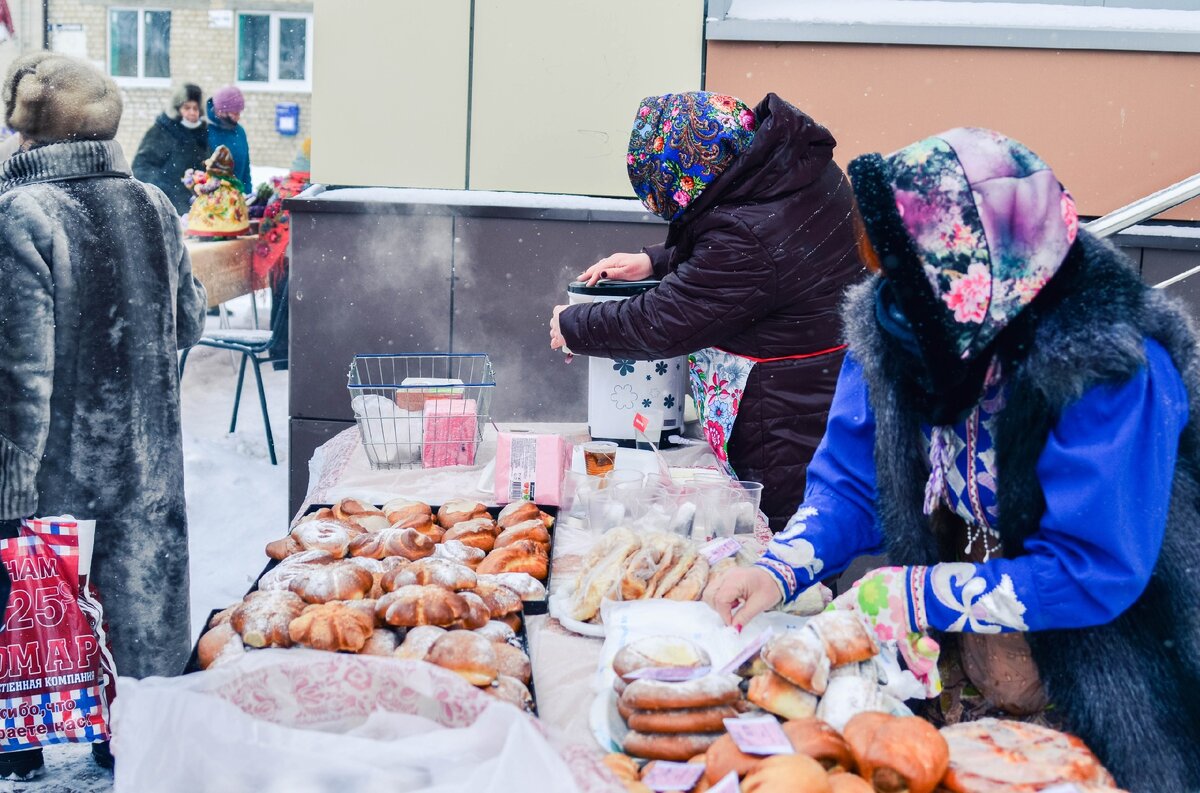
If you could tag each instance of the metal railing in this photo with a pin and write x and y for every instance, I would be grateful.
(1144, 208)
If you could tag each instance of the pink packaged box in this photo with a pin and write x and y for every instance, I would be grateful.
(529, 467)
(449, 432)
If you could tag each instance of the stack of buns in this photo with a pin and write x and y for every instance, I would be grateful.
(825, 669)
(671, 720)
(624, 565)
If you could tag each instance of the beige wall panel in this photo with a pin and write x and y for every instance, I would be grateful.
(556, 84)
(390, 92)
(1115, 126)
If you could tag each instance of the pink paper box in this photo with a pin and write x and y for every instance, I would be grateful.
(529, 467)
(449, 432)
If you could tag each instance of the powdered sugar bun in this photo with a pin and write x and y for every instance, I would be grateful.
(417, 642)
(525, 585)
(703, 692)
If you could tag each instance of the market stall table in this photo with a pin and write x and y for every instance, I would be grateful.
(225, 267)
(564, 663)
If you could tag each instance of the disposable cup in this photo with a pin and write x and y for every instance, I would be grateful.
(599, 457)
(747, 498)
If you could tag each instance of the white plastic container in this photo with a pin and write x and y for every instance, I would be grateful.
(619, 389)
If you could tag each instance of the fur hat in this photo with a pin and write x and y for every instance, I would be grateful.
(51, 97)
(188, 92)
(228, 100)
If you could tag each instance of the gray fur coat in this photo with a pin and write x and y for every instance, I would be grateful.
(96, 297)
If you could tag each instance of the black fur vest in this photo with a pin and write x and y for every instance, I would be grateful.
(1131, 688)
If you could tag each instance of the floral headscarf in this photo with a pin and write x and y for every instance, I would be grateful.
(969, 225)
(681, 143)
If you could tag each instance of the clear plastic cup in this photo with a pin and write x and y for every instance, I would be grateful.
(599, 457)
(714, 510)
(577, 488)
(747, 499)
(623, 476)
(605, 511)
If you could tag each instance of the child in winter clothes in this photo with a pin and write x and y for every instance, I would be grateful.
(224, 114)
(1015, 426)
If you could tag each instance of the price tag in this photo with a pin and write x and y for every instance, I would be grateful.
(752, 649)
(665, 776)
(728, 784)
(762, 736)
(669, 674)
(717, 550)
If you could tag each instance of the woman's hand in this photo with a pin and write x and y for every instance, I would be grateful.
(556, 338)
(619, 267)
(741, 594)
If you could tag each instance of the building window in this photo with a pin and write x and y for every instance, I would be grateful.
(274, 50)
(139, 45)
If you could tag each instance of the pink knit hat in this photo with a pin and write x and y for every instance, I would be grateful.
(228, 100)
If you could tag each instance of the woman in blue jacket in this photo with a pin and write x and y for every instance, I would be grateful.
(1015, 427)
(224, 112)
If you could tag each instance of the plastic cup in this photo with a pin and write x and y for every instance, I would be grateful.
(747, 499)
(714, 510)
(623, 476)
(605, 511)
(577, 488)
(599, 457)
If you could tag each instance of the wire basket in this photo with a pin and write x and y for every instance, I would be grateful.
(421, 409)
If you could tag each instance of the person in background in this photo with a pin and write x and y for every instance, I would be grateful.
(1016, 425)
(98, 298)
(759, 252)
(177, 141)
(224, 129)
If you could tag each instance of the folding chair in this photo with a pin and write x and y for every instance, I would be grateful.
(259, 347)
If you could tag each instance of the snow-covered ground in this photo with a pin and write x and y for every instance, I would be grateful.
(236, 500)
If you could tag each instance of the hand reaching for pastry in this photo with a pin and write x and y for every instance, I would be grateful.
(556, 338)
(883, 598)
(619, 267)
(741, 594)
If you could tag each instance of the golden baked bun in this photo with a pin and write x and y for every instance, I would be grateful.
(787, 773)
(659, 652)
(521, 511)
(468, 654)
(280, 576)
(816, 739)
(533, 530)
(844, 636)
(332, 626)
(622, 766)
(677, 748)
(324, 513)
(513, 662)
(897, 752)
(799, 657)
(476, 533)
(455, 551)
(500, 600)
(337, 581)
(523, 556)
(262, 619)
(477, 614)
(216, 642)
(457, 510)
(361, 514)
(426, 526)
(704, 692)
(418, 641)
(671, 722)
(434, 572)
(381, 642)
(408, 543)
(222, 616)
(512, 691)
(1001, 756)
(512, 620)
(399, 509)
(323, 535)
(775, 695)
(725, 756)
(499, 632)
(414, 605)
(525, 585)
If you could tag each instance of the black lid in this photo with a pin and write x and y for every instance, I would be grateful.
(612, 288)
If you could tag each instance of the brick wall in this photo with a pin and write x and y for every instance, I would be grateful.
(199, 54)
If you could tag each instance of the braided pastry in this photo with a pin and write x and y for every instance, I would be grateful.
(332, 626)
(421, 605)
(342, 580)
(409, 543)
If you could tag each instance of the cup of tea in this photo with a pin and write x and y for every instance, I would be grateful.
(599, 457)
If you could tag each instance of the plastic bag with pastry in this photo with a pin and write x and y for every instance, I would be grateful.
(601, 573)
(685, 558)
(691, 585)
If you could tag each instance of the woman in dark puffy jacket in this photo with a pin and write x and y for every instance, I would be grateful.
(760, 249)
(177, 140)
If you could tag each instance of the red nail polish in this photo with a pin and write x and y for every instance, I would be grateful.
(737, 628)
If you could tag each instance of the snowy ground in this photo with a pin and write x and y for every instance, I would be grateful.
(237, 502)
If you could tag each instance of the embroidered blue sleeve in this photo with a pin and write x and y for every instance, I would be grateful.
(836, 521)
(1106, 472)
